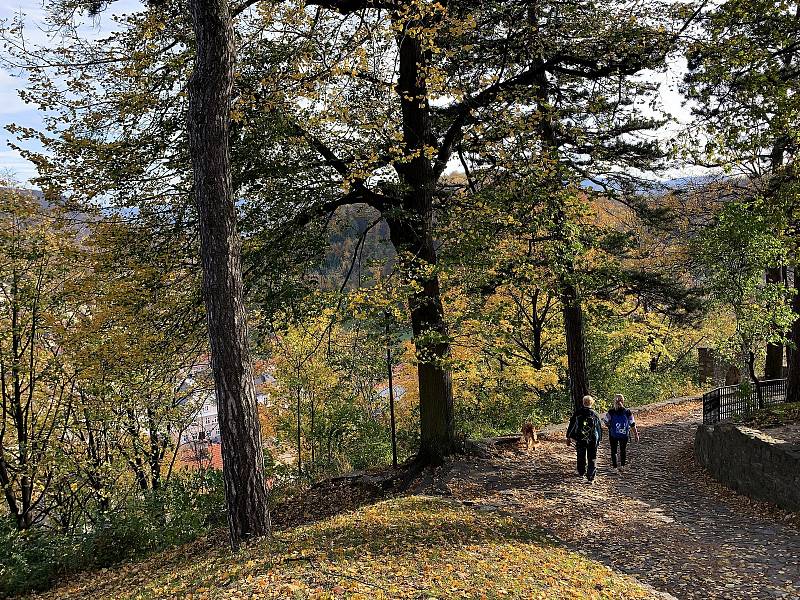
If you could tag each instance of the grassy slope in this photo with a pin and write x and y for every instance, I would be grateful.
(414, 547)
(773, 416)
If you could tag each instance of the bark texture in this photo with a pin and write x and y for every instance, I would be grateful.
(792, 352)
(773, 364)
(210, 91)
(576, 346)
(412, 235)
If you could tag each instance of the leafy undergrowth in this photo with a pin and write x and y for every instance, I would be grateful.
(413, 547)
(773, 416)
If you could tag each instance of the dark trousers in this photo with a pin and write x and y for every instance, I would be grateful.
(622, 444)
(587, 453)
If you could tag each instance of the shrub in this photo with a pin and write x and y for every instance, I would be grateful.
(190, 506)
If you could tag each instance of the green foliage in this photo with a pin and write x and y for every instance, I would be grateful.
(639, 355)
(743, 79)
(773, 416)
(192, 505)
(732, 256)
(505, 412)
(636, 381)
(329, 356)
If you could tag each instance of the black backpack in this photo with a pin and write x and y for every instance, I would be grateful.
(585, 431)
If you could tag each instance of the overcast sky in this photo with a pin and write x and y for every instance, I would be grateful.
(13, 110)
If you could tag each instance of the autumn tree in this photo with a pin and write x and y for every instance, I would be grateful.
(329, 357)
(365, 102)
(196, 160)
(732, 256)
(459, 81)
(742, 79)
(139, 335)
(40, 268)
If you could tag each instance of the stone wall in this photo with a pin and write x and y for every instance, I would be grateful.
(715, 370)
(751, 462)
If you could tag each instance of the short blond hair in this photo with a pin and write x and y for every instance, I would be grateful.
(588, 400)
(619, 397)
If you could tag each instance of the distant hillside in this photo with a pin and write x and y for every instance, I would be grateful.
(78, 219)
(358, 245)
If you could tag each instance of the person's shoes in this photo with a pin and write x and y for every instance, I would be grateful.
(590, 481)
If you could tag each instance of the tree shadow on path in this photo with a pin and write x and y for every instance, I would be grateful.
(665, 522)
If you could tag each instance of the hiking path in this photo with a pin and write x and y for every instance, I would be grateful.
(665, 522)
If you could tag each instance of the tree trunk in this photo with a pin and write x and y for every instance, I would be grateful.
(773, 365)
(210, 91)
(412, 236)
(154, 453)
(573, 313)
(576, 346)
(537, 322)
(299, 433)
(8, 492)
(793, 351)
(312, 411)
(392, 423)
(431, 343)
(751, 367)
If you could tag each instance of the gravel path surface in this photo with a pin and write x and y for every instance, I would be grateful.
(664, 522)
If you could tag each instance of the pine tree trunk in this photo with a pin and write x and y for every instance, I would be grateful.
(576, 346)
(793, 353)
(210, 91)
(412, 236)
(773, 364)
(573, 313)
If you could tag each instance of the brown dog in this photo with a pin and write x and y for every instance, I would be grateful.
(529, 435)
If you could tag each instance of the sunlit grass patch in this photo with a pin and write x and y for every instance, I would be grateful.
(415, 547)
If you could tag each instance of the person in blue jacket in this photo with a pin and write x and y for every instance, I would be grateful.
(620, 423)
(586, 430)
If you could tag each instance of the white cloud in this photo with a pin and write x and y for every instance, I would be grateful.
(21, 169)
(12, 108)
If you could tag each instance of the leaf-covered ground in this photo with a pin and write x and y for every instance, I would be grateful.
(782, 421)
(665, 521)
(415, 547)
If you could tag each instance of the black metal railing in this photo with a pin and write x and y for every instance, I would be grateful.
(731, 400)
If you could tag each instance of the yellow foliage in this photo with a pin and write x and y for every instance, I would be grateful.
(414, 547)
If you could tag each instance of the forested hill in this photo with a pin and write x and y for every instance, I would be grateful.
(358, 248)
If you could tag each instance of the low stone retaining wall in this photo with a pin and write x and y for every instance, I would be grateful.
(751, 462)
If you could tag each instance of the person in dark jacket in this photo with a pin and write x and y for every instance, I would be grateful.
(586, 430)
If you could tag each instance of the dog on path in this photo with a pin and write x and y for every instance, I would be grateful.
(529, 436)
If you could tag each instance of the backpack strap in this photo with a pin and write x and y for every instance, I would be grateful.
(598, 428)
